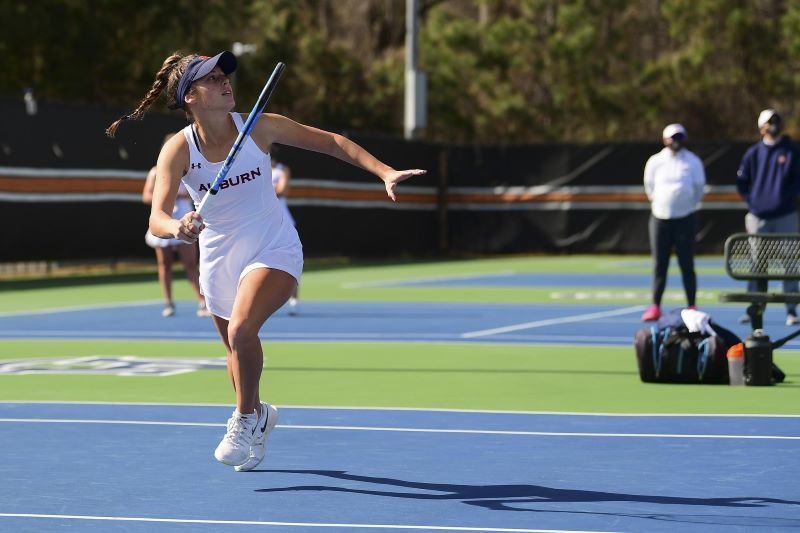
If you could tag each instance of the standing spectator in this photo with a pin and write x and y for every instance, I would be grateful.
(674, 180)
(769, 181)
(281, 174)
(166, 248)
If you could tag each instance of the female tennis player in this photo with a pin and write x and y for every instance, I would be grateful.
(250, 255)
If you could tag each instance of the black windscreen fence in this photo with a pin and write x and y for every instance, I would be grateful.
(73, 193)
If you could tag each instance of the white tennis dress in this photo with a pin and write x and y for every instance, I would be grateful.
(245, 225)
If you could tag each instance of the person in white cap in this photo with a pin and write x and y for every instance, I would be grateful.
(769, 181)
(250, 258)
(674, 180)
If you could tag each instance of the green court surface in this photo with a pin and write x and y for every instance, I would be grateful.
(531, 377)
(527, 378)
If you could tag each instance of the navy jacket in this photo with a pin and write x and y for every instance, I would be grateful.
(769, 178)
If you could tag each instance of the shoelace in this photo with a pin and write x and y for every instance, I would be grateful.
(237, 427)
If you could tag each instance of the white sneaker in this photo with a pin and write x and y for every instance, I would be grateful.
(792, 320)
(293, 306)
(259, 447)
(234, 449)
(168, 310)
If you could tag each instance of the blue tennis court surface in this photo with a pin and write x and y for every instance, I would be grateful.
(92, 468)
(149, 468)
(552, 323)
(575, 321)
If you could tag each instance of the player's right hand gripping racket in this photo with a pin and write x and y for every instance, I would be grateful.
(255, 114)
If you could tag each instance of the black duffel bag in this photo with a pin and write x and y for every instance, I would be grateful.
(669, 353)
(673, 354)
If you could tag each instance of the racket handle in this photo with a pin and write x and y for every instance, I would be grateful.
(201, 207)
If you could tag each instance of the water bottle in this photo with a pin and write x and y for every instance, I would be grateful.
(757, 359)
(30, 102)
(735, 357)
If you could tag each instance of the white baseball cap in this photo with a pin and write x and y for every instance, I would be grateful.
(673, 129)
(765, 115)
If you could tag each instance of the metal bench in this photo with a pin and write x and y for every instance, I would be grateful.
(762, 258)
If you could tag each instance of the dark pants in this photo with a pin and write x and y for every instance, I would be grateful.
(678, 233)
(783, 224)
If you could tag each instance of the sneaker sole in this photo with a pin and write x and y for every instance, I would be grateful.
(272, 421)
(230, 462)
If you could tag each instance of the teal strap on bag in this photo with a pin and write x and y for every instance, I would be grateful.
(703, 352)
(658, 351)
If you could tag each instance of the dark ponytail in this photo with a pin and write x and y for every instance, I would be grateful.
(167, 78)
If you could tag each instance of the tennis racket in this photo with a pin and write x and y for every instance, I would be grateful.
(255, 114)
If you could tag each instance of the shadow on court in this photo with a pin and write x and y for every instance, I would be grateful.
(507, 497)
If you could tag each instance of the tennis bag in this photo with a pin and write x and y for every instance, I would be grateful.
(676, 355)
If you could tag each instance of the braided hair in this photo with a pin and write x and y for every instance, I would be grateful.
(167, 80)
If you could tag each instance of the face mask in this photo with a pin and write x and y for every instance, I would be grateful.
(774, 130)
(676, 142)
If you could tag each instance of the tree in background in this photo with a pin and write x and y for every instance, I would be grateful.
(498, 70)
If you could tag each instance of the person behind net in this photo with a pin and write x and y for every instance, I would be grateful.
(166, 249)
(250, 258)
(281, 174)
(769, 181)
(674, 180)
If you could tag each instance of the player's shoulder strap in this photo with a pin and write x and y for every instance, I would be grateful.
(237, 119)
(193, 142)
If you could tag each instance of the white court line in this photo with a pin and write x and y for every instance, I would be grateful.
(391, 282)
(412, 409)
(552, 321)
(79, 308)
(406, 430)
(312, 337)
(55, 334)
(112, 422)
(289, 524)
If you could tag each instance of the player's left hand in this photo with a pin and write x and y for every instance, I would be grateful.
(392, 178)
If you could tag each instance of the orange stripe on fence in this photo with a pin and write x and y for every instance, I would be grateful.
(722, 197)
(27, 184)
(574, 197)
(489, 198)
(74, 185)
(356, 195)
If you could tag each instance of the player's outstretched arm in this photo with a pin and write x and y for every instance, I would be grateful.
(279, 129)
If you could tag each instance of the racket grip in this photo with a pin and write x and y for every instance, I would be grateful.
(201, 208)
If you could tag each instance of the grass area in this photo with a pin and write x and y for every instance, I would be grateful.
(527, 378)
